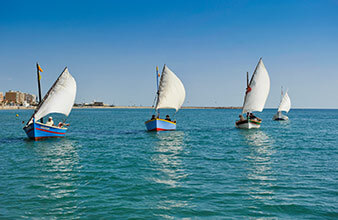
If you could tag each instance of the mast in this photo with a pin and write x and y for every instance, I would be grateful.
(247, 80)
(39, 87)
(247, 87)
(281, 97)
(158, 92)
(157, 78)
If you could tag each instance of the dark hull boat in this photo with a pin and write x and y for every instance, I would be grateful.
(248, 124)
(257, 92)
(284, 105)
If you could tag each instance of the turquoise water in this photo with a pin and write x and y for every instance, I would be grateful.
(108, 167)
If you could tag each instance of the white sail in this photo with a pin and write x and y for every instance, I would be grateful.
(285, 104)
(171, 91)
(258, 90)
(60, 98)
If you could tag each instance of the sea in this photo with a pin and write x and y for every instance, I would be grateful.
(109, 167)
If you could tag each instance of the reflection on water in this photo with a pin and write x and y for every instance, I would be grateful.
(169, 149)
(284, 124)
(255, 137)
(58, 167)
(168, 160)
(260, 172)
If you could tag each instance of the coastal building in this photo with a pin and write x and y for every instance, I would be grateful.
(94, 103)
(1, 97)
(19, 98)
(30, 99)
(13, 97)
(98, 104)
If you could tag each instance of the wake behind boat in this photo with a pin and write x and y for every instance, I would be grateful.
(257, 92)
(170, 95)
(285, 105)
(59, 99)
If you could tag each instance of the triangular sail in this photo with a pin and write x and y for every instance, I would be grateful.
(171, 92)
(59, 99)
(285, 104)
(258, 90)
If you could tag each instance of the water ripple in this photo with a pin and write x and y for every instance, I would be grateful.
(109, 167)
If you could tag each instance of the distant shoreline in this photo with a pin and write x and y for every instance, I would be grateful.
(149, 107)
(139, 107)
(115, 107)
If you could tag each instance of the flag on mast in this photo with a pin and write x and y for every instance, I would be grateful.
(40, 70)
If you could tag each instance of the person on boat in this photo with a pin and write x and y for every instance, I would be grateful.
(152, 117)
(50, 122)
(241, 118)
(61, 124)
(253, 117)
(167, 118)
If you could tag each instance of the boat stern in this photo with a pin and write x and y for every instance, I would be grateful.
(248, 124)
(160, 125)
(37, 131)
(280, 117)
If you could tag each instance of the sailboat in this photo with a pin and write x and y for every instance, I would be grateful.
(285, 105)
(59, 99)
(170, 95)
(257, 92)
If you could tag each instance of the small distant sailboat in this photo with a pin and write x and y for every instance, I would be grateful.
(59, 99)
(285, 105)
(257, 92)
(170, 95)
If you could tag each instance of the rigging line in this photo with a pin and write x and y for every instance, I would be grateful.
(39, 86)
(174, 116)
(152, 110)
(46, 96)
(157, 92)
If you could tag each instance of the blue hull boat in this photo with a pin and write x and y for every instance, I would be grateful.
(160, 125)
(170, 95)
(60, 99)
(37, 131)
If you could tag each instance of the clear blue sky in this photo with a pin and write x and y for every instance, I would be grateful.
(113, 47)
